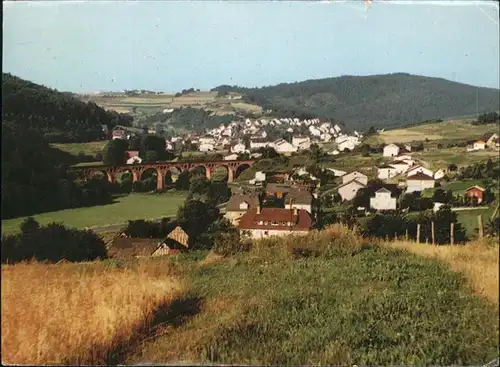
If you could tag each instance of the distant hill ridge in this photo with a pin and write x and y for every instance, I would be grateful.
(382, 101)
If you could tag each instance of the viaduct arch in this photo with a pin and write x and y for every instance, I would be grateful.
(234, 169)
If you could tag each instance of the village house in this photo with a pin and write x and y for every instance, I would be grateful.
(299, 199)
(386, 172)
(355, 175)
(476, 192)
(419, 182)
(490, 140)
(419, 169)
(283, 147)
(118, 134)
(400, 166)
(258, 179)
(257, 143)
(298, 140)
(337, 172)
(133, 157)
(348, 190)
(439, 174)
(206, 147)
(479, 145)
(129, 247)
(391, 150)
(238, 205)
(278, 190)
(231, 157)
(266, 222)
(383, 200)
(238, 148)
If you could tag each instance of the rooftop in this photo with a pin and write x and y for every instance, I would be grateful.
(300, 219)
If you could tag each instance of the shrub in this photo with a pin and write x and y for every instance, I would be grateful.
(52, 243)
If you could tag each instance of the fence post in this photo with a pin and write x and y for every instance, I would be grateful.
(452, 233)
(480, 226)
(433, 235)
(418, 233)
(406, 234)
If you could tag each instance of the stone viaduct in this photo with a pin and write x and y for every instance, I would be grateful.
(234, 169)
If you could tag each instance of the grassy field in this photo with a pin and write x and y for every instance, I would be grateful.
(134, 206)
(453, 129)
(469, 220)
(353, 304)
(77, 314)
(207, 100)
(442, 158)
(90, 148)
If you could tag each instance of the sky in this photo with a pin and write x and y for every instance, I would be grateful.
(169, 46)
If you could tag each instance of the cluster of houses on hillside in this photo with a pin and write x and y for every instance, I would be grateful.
(229, 137)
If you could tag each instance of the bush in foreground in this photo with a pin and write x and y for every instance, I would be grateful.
(52, 243)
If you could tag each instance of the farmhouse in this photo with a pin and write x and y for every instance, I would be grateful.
(383, 200)
(355, 175)
(476, 192)
(490, 140)
(391, 150)
(419, 182)
(348, 190)
(258, 179)
(267, 222)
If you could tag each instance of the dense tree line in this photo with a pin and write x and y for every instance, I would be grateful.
(53, 242)
(151, 148)
(35, 178)
(60, 117)
(487, 118)
(381, 101)
(481, 170)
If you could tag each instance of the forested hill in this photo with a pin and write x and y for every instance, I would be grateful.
(60, 117)
(382, 101)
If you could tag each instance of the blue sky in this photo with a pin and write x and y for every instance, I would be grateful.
(168, 46)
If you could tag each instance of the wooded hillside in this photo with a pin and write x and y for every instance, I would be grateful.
(382, 101)
(60, 117)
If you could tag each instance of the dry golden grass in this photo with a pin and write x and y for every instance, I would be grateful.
(78, 313)
(478, 261)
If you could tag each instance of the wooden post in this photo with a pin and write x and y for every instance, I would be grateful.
(418, 233)
(433, 235)
(452, 233)
(406, 234)
(480, 226)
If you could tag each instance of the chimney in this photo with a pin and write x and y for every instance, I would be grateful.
(295, 211)
(258, 208)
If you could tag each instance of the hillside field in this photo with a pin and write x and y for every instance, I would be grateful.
(90, 148)
(131, 207)
(353, 303)
(156, 103)
(446, 130)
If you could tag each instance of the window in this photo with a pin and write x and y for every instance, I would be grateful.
(266, 233)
